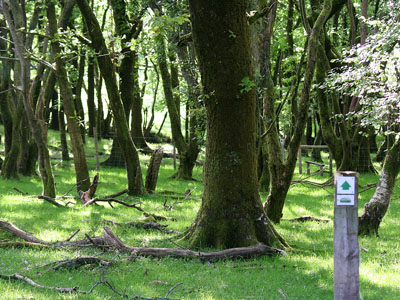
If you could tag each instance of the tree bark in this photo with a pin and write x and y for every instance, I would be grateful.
(282, 173)
(231, 213)
(78, 150)
(376, 208)
(121, 125)
(36, 128)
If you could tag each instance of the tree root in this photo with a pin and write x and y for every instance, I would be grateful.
(234, 253)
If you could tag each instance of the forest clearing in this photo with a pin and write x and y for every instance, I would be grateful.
(305, 273)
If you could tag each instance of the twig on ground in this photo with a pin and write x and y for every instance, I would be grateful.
(20, 277)
(116, 194)
(50, 200)
(75, 233)
(187, 194)
(109, 200)
(306, 218)
(19, 191)
(146, 225)
(78, 262)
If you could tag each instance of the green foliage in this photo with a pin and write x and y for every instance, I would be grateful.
(246, 84)
(371, 72)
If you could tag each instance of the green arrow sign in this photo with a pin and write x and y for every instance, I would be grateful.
(346, 186)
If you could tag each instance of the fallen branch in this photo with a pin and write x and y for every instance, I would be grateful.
(19, 191)
(50, 200)
(78, 262)
(233, 253)
(158, 217)
(146, 225)
(117, 194)
(20, 277)
(32, 241)
(15, 231)
(19, 244)
(305, 219)
(187, 193)
(110, 200)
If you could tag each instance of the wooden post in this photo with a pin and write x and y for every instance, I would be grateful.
(300, 170)
(96, 147)
(346, 251)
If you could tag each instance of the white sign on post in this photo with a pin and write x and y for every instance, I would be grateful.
(346, 185)
(345, 190)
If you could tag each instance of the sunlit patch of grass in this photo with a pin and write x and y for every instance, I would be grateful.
(306, 273)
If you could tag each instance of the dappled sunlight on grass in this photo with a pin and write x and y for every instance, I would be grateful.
(306, 273)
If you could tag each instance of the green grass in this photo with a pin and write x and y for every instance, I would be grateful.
(306, 273)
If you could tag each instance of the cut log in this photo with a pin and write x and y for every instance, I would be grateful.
(153, 169)
(233, 253)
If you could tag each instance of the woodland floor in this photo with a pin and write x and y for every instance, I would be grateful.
(305, 273)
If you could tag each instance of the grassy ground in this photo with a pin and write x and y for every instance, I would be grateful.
(306, 273)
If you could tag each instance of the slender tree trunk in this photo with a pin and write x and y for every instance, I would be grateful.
(231, 213)
(135, 181)
(282, 173)
(5, 78)
(376, 208)
(90, 96)
(63, 134)
(81, 169)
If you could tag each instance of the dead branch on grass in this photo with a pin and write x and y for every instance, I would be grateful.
(187, 193)
(112, 200)
(306, 218)
(78, 262)
(144, 225)
(20, 277)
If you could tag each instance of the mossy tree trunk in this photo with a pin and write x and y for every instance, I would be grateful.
(5, 81)
(282, 172)
(376, 208)
(40, 137)
(231, 213)
(107, 69)
(81, 168)
(188, 151)
(129, 70)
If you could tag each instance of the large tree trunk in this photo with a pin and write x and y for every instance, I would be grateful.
(135, 181)
(231, 213)
(81, 169)
(376, 208)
